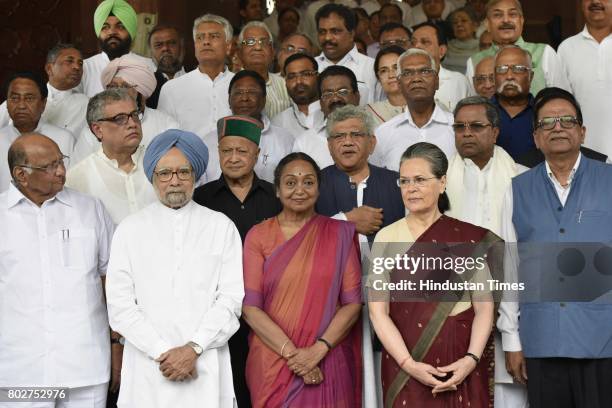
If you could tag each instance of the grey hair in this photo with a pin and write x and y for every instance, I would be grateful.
(514, 46)
(300, 34)
(493, 3)
(57, 49)
(415, 51)
(96, 105)
(491, 110)
(350, 112)
(213, 18)
(252, 24)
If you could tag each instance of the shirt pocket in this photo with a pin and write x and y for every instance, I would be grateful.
(77, 248)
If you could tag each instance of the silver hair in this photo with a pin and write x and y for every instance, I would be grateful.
(252, 24)
(213, 18)
(350, 112)
(97, 104)
(493, 3)
(57, 49)
(300, 34)
(514, 46)
(491, 110)
(415, 51)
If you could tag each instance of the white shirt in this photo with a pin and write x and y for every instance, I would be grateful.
(91, 84)
(277, 98)
(177, 74)
(9, 134)
(508, 321)
(175, 276)
(313, 142)
(588, 66)
(196, 101)
(453, 88)
(274, 144)
(153, 123)
(122, 193)
(52, 315)
(296, 122)
(399, 133)
(363, 68)
(418, 15)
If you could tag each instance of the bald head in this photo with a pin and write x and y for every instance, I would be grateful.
(484, 77)
(28, 143)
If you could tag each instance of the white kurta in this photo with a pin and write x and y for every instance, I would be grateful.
(153, 123)
(453, 88)
(296, 122)
(53, 320)
(196, 101)
(588, 66)
(274, 144)
(396, 135)
(175, 276)
(313, 142)
(8, 134)
(363, 68)
(93, 66)
(122, 193)
(277, 98)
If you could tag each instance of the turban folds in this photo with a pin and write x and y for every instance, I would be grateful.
(120, 9)
(239, 125)
(189, 143)
(132, 71)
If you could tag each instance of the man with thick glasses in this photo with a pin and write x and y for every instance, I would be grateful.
(54, 252)
(477, 179)
(175, 287)
(561, 347)
(301, 73)
(297, 43)
(114, 173)
(256, 54)
(424, 119)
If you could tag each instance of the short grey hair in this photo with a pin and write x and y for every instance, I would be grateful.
(514, 46)
(415, 51)
(491, 110)
(97, 104)
(350, 112)
(57, 50)
(253, 24)
(493, 3)
(213, 18)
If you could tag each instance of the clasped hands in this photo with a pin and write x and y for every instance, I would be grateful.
(304, 362)
(426, 374)
(178, 364)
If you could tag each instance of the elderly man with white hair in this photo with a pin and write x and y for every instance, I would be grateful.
(174, 287)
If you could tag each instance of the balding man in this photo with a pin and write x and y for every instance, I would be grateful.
(484, 77)
(175, 287)
(54, 322)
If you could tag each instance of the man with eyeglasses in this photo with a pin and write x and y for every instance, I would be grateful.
(301, 73)
(256, 54)
(25, 101)
(247, 96)
(199, 98)
(561, 347)
(113, 173)
(174, 287)
(336, 31)
(394, 34)
(505, 23)
(477, 179)
(297, 43)
(424, 119)
(55, 249)
(337, 86)
(484, 78)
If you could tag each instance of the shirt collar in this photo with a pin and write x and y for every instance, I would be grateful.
(587, 34)
(437, 116)
(352, 55)
(221, 184)
(55, 93)
(15, 196)
(572, 173)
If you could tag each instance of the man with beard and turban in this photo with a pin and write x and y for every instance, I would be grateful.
(129, 73)
(167, 47)
(174, 287)
(116, 25)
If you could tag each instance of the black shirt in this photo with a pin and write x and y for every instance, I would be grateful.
(260, 203)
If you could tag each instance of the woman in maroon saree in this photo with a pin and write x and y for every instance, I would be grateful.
(436, 352)
(302, 278)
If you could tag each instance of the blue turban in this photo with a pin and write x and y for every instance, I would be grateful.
(189, 143)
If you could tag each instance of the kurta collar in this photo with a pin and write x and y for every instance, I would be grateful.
(55, 93)
(136, 157)
(587, 34)
(178, 212)
(437, 116)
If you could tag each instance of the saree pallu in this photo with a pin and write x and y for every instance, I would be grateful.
(452, 341)
(300, 284)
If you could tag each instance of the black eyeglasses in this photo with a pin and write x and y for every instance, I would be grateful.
(549, 123)
(122, 119)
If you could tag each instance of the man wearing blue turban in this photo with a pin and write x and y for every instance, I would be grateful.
(174, 286)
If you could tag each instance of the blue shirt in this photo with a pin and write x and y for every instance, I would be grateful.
(516, 134)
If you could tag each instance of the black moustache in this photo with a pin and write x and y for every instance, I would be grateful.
(596, 7)
(506, 26)
(325, 44)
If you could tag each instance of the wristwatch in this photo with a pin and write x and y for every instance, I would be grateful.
(196, 347)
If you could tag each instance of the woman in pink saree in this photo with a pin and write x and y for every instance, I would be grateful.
(303, 297)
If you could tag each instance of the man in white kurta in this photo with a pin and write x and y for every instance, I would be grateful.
(199, 98)
(53, 256)
(175, 287)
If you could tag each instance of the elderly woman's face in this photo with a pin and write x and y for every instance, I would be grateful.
(420, 188)
(299, 188)
(177, 191)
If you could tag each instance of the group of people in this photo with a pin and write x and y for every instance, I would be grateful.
(178, 238)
